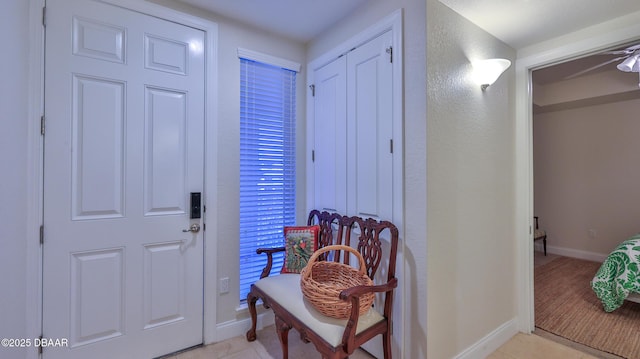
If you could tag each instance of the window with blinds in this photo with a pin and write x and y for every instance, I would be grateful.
(267, 164)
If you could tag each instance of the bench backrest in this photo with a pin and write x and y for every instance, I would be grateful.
(369, 234)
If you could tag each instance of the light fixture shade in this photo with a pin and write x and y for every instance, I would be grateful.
(488, 71)
(636, 66)
(628, 64)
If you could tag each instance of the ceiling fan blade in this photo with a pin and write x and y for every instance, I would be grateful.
(595, 67)
(617, 52)
(628, 51)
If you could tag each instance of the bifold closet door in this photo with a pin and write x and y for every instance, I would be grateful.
(353, 132)
(370, 129)
(330, 137)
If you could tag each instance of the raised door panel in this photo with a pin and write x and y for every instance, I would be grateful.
(164, 284)
(97, 296)
(166, 153)
(98, 128)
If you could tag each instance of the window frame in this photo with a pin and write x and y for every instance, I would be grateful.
(268, 132)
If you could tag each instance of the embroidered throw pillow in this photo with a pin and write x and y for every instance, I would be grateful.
(300, 243)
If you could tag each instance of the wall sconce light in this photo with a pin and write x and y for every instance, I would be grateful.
(488, 71)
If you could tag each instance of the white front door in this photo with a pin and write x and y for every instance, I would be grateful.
(124, 148)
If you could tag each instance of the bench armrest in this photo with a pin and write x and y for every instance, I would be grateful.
(357, 291)
(353, 294)
(269, 252)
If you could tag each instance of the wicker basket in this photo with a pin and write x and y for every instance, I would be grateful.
(322, 282)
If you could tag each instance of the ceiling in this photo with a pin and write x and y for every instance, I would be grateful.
(300, 20)
(520, 23)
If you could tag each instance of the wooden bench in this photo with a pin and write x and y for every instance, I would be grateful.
(377, 242)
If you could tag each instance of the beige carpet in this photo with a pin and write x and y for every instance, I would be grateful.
(566, 306)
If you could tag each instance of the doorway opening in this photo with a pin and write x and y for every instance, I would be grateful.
(583, 171)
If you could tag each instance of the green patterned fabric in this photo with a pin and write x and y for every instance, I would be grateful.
(619, 275)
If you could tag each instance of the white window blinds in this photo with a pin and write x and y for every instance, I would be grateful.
(267, 164)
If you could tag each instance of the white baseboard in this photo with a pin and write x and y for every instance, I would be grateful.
(491, 342)
(234, 328)
(576, 253)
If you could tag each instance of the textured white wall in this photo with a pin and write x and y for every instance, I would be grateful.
(470, 187)
(13, 160)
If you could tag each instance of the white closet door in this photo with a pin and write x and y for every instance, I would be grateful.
(370, 129)
(330, 141)
(353, 130)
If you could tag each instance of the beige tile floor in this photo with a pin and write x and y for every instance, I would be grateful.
(267, 346)
(521, 346)
(531, 346)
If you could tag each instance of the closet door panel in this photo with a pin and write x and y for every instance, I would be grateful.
(330, 137)
(370, 129)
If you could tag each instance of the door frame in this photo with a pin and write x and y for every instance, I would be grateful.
(35, 159)
(558, 50)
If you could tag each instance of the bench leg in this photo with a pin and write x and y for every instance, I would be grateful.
(251, 303)
(386, 344)
(282, 329)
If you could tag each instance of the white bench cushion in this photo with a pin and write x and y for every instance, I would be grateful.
(285, 290)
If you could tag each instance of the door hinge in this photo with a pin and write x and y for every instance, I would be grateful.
(42, 125)
(44, 16)
(391, 145)
(313, 155)
(41, 234)
(390, 52)
(313, 90)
